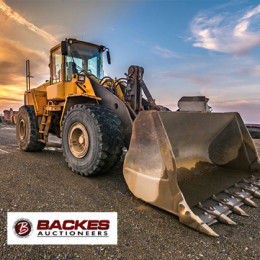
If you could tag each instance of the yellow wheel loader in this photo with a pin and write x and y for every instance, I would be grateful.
(198, 165)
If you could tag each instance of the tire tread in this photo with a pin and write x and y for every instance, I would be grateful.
(110, 136)
(33, 145)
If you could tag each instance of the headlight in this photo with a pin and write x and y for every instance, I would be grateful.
(81, 78)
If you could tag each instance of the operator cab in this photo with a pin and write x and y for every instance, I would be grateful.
(79, 58)
(83, 58)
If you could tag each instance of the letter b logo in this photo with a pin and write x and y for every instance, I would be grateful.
(22, 227)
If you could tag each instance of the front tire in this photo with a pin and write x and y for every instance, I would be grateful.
(92, 139)
(27, 131)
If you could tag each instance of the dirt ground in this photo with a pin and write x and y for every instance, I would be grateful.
(42, 182)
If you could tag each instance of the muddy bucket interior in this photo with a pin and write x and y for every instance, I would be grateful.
(188, 164)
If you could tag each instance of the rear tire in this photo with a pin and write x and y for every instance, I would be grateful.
(92, 139)
(27, 131)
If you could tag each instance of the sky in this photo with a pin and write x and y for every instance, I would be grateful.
(187, 47)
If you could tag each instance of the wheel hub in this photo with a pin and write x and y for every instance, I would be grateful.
(78, 140)
(81, 139)
(22, 129)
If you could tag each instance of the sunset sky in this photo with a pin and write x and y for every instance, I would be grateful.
(187, 47)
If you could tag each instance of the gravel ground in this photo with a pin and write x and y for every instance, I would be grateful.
(42, 182)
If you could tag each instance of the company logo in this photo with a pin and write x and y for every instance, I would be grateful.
(22, 227)
(62, 228)
(72, 228)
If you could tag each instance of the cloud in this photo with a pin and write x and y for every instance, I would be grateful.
(251, 71)
(248, 110)
(10, 99)
(196, 79)
(14, 103)
(12, 63)
(235, 103)
(12, 71)
(164, 53)
(227, 33)
(8, 12)
(252, 12)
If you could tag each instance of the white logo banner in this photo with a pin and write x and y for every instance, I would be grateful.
(62, 228)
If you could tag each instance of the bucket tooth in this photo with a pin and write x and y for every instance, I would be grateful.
(253, 181)
(249, 202)
(204, 216)
(256, 184)
(254, 192)
(249, 187)
(208, 230)
(225, 219)
(239, 211)
(245, 199)
(219, 216)
(199, 225)
(233, 207)
(187, 217)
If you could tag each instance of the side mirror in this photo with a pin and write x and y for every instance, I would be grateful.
(108, 57)
(64, 48)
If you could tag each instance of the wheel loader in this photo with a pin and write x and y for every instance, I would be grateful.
(198, 165)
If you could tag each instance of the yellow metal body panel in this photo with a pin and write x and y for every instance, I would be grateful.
(43, 86)
(82, 87)
(119, 92)
(54, 108)
(37, 99)
(74, 99)
(56, 92)
(71, 88)
(59, 91)
(110, 83)
(54, 48)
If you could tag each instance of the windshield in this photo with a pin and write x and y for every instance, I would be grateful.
(83, 58)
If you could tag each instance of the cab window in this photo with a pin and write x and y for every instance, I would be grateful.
(83, 58)
(93, 66)
(56, 66)
(72, 66)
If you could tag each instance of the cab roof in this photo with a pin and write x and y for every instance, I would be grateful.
(73, 40)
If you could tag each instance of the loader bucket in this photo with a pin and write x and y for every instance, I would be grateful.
(197, 166)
